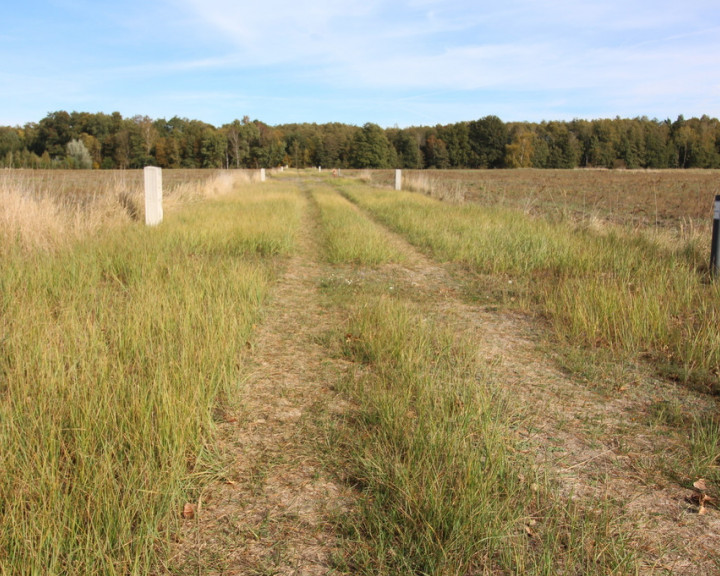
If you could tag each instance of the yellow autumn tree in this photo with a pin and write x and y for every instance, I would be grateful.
(519, 153)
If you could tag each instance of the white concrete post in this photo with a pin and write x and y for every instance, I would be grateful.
(153, 195)
(319, 168)
(398, 179)
(262, 174)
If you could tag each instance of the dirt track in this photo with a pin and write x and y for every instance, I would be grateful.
(274, 512)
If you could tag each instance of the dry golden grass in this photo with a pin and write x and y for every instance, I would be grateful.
(47, 209)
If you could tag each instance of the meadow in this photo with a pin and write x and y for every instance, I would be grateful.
(121, 346)
(117, 344)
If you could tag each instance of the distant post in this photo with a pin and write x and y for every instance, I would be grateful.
(715, 246)
(153, 195)
(262, 174)
(398, 179)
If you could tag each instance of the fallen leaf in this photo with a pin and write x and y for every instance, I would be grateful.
(702, 499)
(700, 485)
(188, 511)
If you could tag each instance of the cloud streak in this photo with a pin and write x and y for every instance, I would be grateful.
(426, 44)
(365, 60)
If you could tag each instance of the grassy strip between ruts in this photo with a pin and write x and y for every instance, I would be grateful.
(349, 236)
(639, 295)
(430, 447)
(113, 354)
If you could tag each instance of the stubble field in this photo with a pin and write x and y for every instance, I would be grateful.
(492, 373)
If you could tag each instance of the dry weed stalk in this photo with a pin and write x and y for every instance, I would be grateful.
(365, 176)
(444, 190)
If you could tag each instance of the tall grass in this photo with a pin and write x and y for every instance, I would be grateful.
(47, 209)
(113, 353)
(445, 491)
(350, 237)
(439, 188)
(635, 293)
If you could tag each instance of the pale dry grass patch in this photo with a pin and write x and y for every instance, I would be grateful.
(216, 185)
(47, 210)
(441, 189)
(43, 223)
(365, 176)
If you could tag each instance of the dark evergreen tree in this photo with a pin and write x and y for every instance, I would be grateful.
(488, 138)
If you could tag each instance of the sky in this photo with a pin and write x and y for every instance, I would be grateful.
(390, 62)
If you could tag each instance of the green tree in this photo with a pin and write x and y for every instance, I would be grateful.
(147, 136)
(603, 141)
(488, 138)
(436, 153)
(406, 148)
(10, 144)
(240, 134)
(267, 148)
(562, 148)
(53, 133)
(213, 148)
(371, 149)
(657, 152)
(93, 147)
(457, 142)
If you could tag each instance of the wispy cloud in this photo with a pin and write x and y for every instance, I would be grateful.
(456, 44)
(363, 60)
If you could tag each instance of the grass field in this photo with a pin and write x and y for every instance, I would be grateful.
(122, 347)
(116, 349)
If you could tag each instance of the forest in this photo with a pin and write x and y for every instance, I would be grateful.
(110, 141)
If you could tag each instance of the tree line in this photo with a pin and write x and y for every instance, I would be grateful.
(109, 141)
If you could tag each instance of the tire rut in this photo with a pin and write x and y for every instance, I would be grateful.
(274, 513)
(593, 444)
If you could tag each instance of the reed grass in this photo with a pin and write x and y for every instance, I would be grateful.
(437, 187)
(114, 352)
(47, 209)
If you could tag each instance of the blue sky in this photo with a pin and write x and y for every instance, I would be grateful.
(401, 62)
